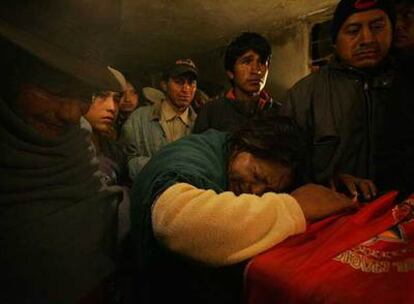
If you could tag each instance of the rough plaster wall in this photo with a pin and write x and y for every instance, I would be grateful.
(290, 59)
(211, 65)
(145, 35)
(290, 48)
(154, 32)
(142, 36)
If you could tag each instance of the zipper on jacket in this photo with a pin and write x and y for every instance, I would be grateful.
(369, 126)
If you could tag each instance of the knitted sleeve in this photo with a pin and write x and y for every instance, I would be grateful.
(223, 229)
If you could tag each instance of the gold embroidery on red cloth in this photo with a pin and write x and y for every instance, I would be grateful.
(405, 266)
(361, 258)
(380, 254)
(363, 263)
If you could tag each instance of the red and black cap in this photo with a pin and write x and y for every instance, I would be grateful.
(346, 8)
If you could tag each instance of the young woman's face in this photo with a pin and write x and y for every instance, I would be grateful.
(129, 101)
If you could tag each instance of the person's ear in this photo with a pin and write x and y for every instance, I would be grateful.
(230, 74)
(163, 85)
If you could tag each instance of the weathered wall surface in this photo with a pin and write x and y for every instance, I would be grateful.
(154, 32)
(143, 36)
(291, 54)
(290, 58)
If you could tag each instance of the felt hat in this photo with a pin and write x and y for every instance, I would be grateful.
(51, 32)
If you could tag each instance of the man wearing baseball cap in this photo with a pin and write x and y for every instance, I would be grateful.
(150, 128)
(343, 107)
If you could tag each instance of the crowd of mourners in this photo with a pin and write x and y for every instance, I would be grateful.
(114, 193)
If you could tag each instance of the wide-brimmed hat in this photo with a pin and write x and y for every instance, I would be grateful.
(30, 26)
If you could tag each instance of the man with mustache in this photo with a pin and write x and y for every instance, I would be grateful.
(343, 107)
(152, 127)
(246, 61)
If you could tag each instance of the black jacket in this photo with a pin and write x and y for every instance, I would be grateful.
(344, 113)
(401, 175)
(226, 115)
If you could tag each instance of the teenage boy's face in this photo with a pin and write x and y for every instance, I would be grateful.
(250, 73)
(103, 111)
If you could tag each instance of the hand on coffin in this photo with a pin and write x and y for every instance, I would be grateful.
(318, 202)
(355, 187)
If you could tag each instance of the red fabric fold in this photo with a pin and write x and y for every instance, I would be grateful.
(352, 258)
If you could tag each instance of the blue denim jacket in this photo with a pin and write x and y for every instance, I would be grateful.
(143, 135)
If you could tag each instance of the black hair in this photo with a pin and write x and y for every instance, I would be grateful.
(274, 137)
(10, 80)
(133, 80)
(398, 2)
(243, 43)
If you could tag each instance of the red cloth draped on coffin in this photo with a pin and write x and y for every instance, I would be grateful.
(365, 257)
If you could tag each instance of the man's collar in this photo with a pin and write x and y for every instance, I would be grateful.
(169, 112)
(385, 66)
(264, 98)
(188, 116)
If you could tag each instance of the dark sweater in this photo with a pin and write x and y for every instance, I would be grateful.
(226, 115)
(57, 227)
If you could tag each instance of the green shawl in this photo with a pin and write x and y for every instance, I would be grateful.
(200, 160)
(56, 224)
